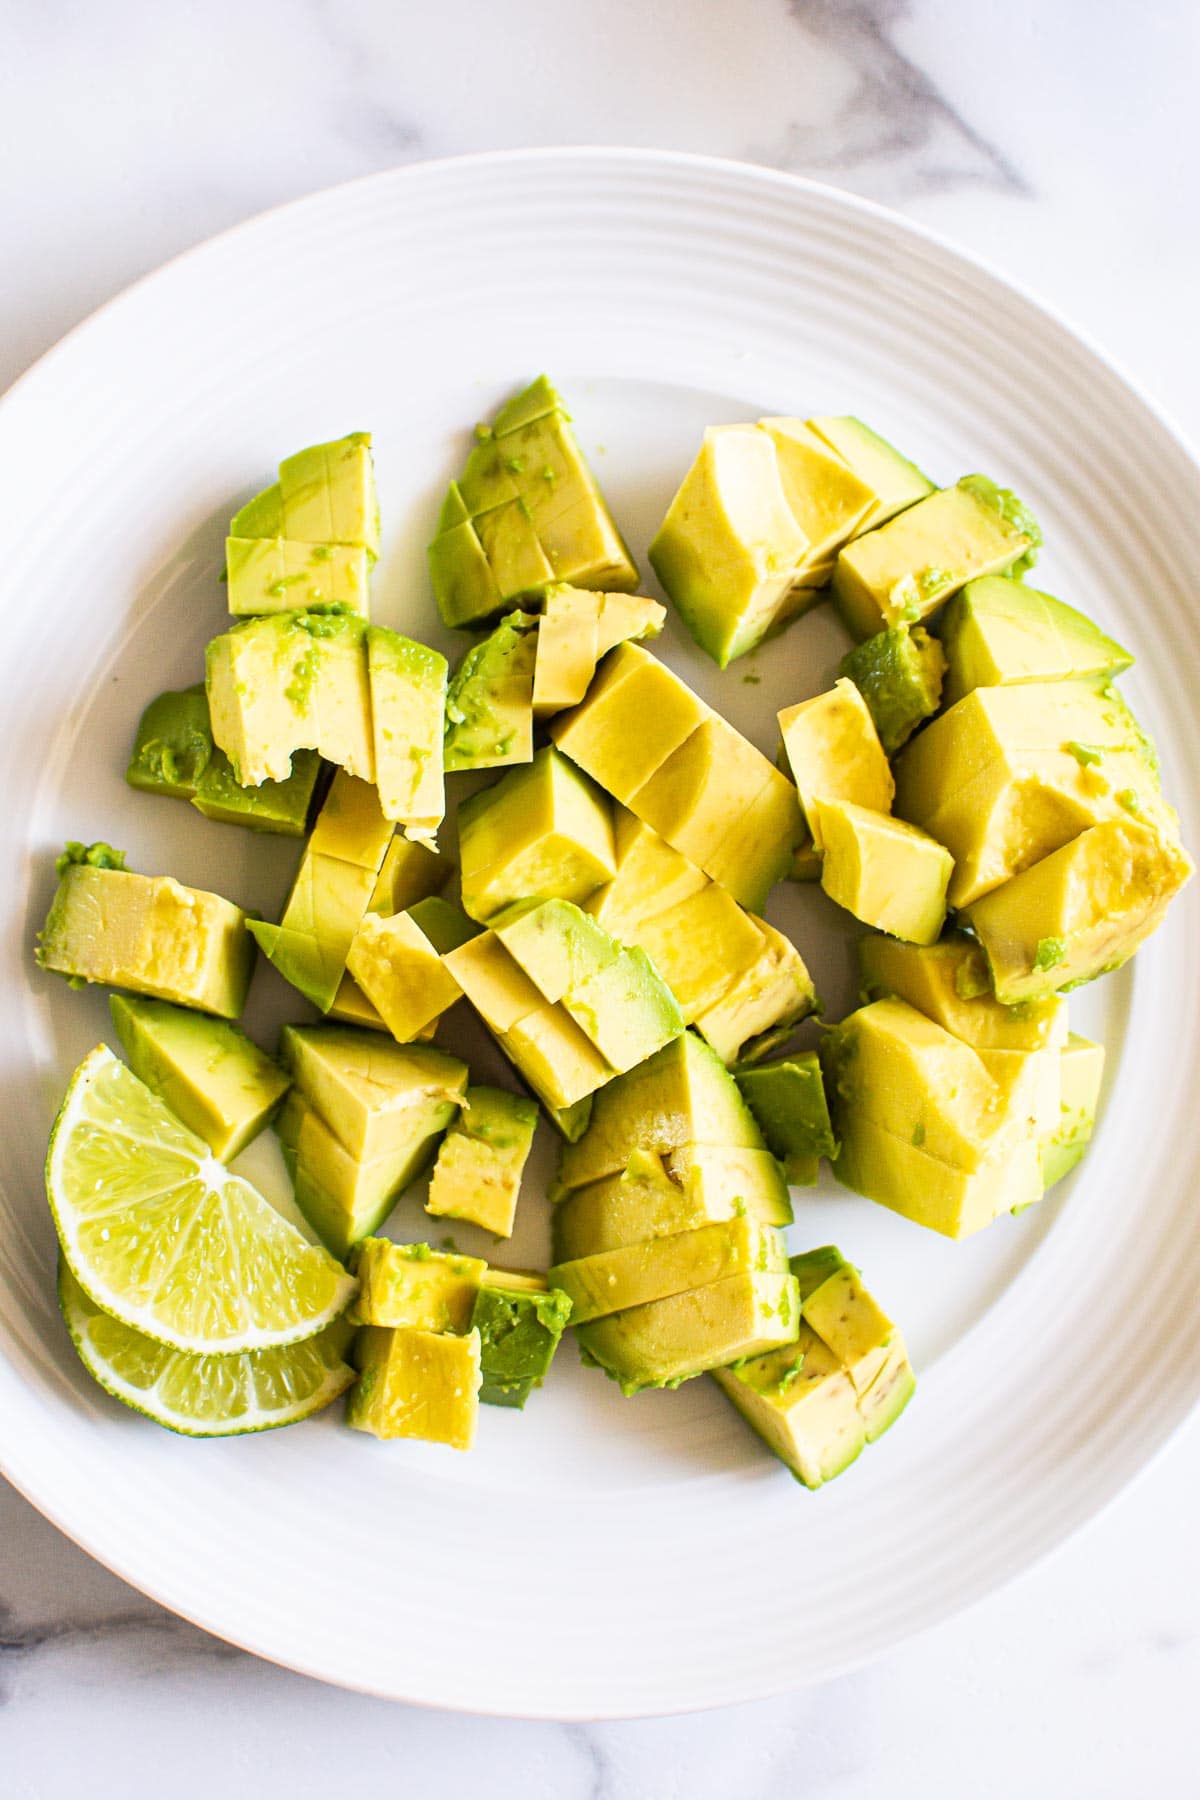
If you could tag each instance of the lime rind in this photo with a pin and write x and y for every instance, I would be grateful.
(162, 1237)
(206, 1396)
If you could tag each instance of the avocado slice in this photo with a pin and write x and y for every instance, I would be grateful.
(665, 1342)
(996, 633)
(895, 483)
(415, 1286)
(1081, 1071)
(286, 682)
(833, 750)
(211, 1075)
(477, 1175)
(542, 831)
(408, 714)
(281, 807)
(899, 674)
(788, 1100)
(883, 871)
(520, 1322)
(950, 983)
(147, 933)
(611, 1281)
(376, 1097)
(416, 1384)
(173, 744)
(489, 700)
(659, 1197)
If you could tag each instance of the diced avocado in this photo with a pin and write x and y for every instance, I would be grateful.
(788, 1100)
(655, 1197)
(282, 807)
(571, 1121)
(496, 985)
(997, 632)
(760, 1010)
(903, 1177)
(700, 946)
(401, 974)
(950, 983)
(651, 879)
(894, 481)
(327, 494)
(276, 575)
(801, 1402)
(410, 872)
(375, 1096)
(287, 682)
(351, 825)
(729, 549)
(636, 713)
(899, 674)
(149, 934)
(835, 1304)
(759, 847)
(888, 874)
(489, 701)
(260, 517)
(611, 1281)
(463, 581)
(173, 745)
(416, 1384)
(544, 831)
(446, 926)
(624, 617)
(413, 1285)
(828, 501)
(344, 1199)
(1081, 1071)
(350, 1006)
(566, 649)
(211, 1075)
(668, 1341)
(683, 1096)
(519, 1328)
(557, 1059)
(408, 713)
(834, 752)
(1079, 912)
(556, 944)
(477, 1175)
(900, 572)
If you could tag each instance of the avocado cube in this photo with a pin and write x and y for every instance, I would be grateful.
(759, 848)
(888, 874)
(788, 1100)
(655, 1197)
(944, 1197)
(519, 1328)
(413, 1285)
(408, 714)
(375, 1097)
(635, 715)
(701, 946)
(543, 831)
(1081, 1071)
(477, 1175)
(665, 1342)
(996, 633)
(651, 879)
(567, 651)
(612, 1281)
(286, 682)
(210, 1074)
(693, 796)
(277, 575)
(900, 572)
(327, 494)
(895, 483)
(351, 826)
(899, 674)
(556, 1057)
(282, 807)
(410, 872)
(173, 745)
(1030, 1086)
(625, 617)
(489, 700)
(835, 1304)
(1079, 912)
(464, 584)
(828, 501)
(350, 1006)
(324, 909)
(149, 934)
(416, 1384)
(495, 984)
(834, 753)
(514, 552)
(260, 517)
(556, 944)
(565, 507)
(401, 974)
(761, 1008)
(344, 1199)
(949, 982)
(801, 1402)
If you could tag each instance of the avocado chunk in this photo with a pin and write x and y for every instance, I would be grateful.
(374, 1096)
(327, 493)
(401, 974)
(543, 831)
(888, 874)
(895, 483)
(146, 933)
(658, 1197)
(833, 750)
(900, 572)
(899, 674)
(950, 983)
(1079, 912)
(408, 714)
(650, 878)
(760, 1010)
(997, 633)
(1081, 1071)
(665, 1342)
(291, 681)
(611, 1281)
(271, 575)
(636, 713)
(577, 627)
(787, 1099)
(520, 1327)
(700, 945)
(282, 807)
(309, 540)
(692, 797)
(416, 1384)
(828, 500)
(489, 701)
(411, 873)
(525, 515)
(415, 1286)
(211, 1075)
(344, 1199)
(173, 745)
(477, 1175)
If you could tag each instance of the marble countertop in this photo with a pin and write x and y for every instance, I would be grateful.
(1061, 142)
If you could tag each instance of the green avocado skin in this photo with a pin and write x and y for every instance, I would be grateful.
(519, 1333)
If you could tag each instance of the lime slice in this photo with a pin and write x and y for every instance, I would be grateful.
(163, 1237)
(205, 1396)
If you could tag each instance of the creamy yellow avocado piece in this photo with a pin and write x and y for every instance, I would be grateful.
(287, 682)
(997, 632)
(577, 627)
(611, 1281)
(376, 1097)
(895, 483)
(401, 974)
(650, 879)
(951, 984)
(477, 1175)
(415, 1286)
(416, 1384)
(345, 1199)
(310, 539)
(1081, 1072)
(543, 831)
(556, 1057)
(942, 1196)
(828, 501)
(408, 718)
(760, 1008)
(888, 874)
(834, 753)
(657, 1197)
(668, 1341)
(489, 699)
(411, 871)
(802, 1404)
(700, 945)
(636, 713)
(275, 575)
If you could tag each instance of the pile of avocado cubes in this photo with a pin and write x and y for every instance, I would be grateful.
(972, 789)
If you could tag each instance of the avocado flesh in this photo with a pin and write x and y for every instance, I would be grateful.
(281, 807)
(287, 682)
(416, 1384)
(894, 482)
(899, 673)
(788, 1100)
(886, 873)
(761, 1009)
(149, 934)
(477, 1175)
(802, 1404)
(834, 753)
(519, 1330)
(900, 1175)
(567, 649)
(656, 1197)
(327, 494)
(173, 745)
(950, 983)
(210, 1074)
(650, 880)
(401, 974)
(635, 715)
(376, 1097)
(1079, 912)
(828, 501)
(612, 1281)
(273, 575)
(408, 713)
(1081, 1071)
(414, 1286)
(309, 540)
(996, 633)
(668, 1341)
(544, 831)
(700, 946)
(489, 700)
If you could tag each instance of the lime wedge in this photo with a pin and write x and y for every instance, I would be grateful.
(205, 1396)
(161, 1236)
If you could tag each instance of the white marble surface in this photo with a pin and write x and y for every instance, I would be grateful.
(1062, 142)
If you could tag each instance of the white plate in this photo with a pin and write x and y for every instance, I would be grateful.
(594, 1556)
